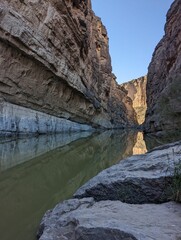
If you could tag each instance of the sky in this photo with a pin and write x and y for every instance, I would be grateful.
(134, 29)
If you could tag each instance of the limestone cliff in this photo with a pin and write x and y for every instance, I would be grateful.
(54, 58)
(137, 92)
(164, 77)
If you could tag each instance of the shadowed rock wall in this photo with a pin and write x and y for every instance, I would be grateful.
(164, 77)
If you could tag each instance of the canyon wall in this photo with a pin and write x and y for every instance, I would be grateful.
(164, 77)
(137, 92)
(54, 59)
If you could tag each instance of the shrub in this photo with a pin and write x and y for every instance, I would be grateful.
(176, 185)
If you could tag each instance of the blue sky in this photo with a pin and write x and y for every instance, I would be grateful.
(134, 29)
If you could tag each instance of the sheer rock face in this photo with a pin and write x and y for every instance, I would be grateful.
(164, 77)
(54, 58)
(137, 92)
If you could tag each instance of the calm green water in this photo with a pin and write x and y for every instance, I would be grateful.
(37, 173)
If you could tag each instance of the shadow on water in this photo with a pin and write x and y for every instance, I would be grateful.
(37, 173)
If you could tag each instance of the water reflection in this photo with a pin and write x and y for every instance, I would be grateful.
(14, 152)
(160, 138)
(27, 190)
(140, 146)
(37, 173)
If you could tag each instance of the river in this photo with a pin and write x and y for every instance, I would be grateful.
(38, 172)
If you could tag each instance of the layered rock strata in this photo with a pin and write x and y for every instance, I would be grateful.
(137, 92)
(164, 77)
(54, 58)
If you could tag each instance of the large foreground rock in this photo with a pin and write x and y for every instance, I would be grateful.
(139, 179)
(111, 220)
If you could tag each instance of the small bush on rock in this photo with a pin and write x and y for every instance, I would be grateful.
(176, 186)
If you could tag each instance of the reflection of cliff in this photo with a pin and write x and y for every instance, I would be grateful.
(14, 152)
(31, 188)
(155, 140)
(140, 146)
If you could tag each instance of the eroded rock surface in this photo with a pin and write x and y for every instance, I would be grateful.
(54, 58)
(17, 120)
(110, 220)
(137, 92)
(164, 77)
(145, 178)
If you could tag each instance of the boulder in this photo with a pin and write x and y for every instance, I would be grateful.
(86, 219)
(145, 178)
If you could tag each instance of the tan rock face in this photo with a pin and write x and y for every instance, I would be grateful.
(140, 145)
(164, 77)
(137, 92)
(54, 58)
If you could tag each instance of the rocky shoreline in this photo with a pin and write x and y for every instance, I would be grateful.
(99, 212)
